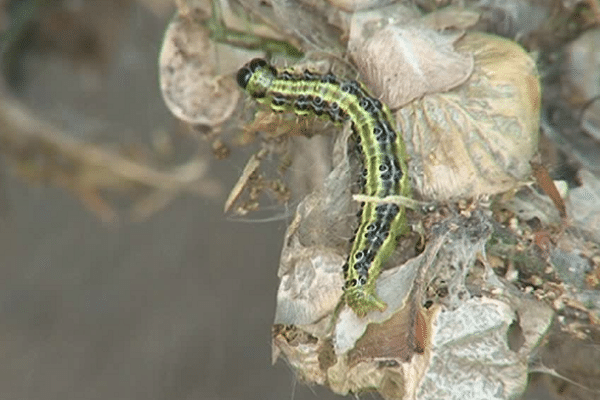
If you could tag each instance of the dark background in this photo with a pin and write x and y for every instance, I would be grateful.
(176, 307)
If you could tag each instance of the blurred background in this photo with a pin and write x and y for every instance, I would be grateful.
(176, 305)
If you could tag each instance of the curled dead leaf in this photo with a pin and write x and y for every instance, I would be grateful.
(479, 137)
(188, 81)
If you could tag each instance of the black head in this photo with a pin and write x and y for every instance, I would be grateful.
(245, 73)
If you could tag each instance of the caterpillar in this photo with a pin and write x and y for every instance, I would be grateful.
(381, 150)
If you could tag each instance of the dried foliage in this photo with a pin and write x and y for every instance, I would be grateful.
(501, 261)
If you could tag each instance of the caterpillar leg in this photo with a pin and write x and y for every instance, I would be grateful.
(363, 300)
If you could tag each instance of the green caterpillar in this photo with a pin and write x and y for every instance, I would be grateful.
(382, 153)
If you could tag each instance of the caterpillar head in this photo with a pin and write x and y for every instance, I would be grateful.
(255, 77)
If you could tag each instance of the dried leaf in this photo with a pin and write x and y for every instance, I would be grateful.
(402, 64)
(188, 80)
(479, 137)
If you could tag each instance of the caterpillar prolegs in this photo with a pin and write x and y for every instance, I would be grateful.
(382, 154)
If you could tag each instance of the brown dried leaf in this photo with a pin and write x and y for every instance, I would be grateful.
(188, 80)
(478, 138)
(402, 64)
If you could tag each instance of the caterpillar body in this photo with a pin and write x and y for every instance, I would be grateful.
(382, 154)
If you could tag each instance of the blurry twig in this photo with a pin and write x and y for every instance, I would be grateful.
(41, 152)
